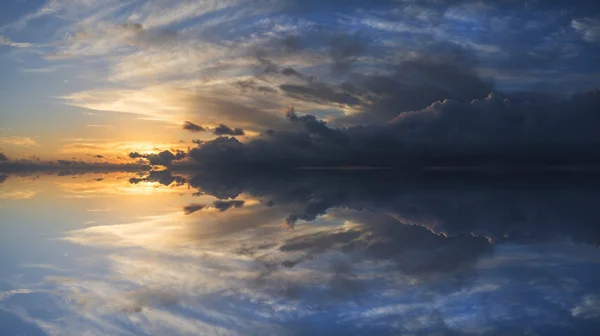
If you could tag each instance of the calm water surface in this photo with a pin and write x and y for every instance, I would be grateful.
(305, 253)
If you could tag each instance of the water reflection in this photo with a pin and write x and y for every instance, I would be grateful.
(298, 253)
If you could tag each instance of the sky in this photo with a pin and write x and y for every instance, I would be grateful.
(309, 82)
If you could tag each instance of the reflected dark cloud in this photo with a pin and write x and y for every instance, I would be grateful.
(499, 207)
(226, 205)
(164, 158)
(164, 177)
(220, 205)
(415, 250)
(190, 209)
(3, 157)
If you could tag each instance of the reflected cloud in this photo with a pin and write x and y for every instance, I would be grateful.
(102, 186)
(265, 253)
(18, 195)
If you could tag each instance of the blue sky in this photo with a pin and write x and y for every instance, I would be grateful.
(87, 77)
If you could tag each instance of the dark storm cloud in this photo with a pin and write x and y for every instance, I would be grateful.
(225, 130)
(412, 84)
(345, 50)
(320, 93)
(417, 83)
(3, 157)
(3, 178)
(489, 131)
(164, 158)
(190, 126)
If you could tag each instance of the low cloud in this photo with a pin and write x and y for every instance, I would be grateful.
(450, 132)
(219, 130)
(190, 126)
(225, 130)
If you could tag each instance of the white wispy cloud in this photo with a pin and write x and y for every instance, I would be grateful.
(6, 42)
(589, 28)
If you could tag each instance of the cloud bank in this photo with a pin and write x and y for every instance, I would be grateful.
(494, 130)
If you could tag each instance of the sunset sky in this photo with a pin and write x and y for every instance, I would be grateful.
(299, 167)
(84, 78)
